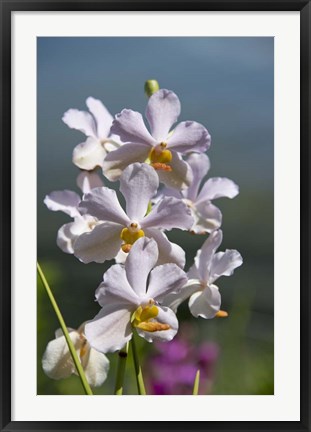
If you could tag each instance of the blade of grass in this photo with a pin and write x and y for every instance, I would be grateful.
(71, 347)
(196, 383)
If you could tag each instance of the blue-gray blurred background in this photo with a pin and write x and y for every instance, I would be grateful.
(227, 85)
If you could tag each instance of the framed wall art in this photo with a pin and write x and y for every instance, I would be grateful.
(155, 215)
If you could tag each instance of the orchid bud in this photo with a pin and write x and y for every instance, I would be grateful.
(151, 86)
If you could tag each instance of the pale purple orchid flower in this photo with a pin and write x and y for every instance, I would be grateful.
(205, 299)
(96, 125)
(130, 295)
(162, 146)
(207, 216)
(68, 201)
(118, 229)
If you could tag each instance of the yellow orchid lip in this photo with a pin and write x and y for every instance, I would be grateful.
(153, 326)
(126, 247)
(130, 235)
(144, 318)
(160, 157)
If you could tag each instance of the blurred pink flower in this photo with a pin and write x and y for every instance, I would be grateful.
(173, 368)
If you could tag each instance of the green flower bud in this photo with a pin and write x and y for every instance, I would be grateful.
(151, 86)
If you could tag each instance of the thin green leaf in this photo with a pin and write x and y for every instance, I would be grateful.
(196, 383)
(71, 347)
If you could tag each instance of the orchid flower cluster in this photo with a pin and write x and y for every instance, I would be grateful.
(161, 173)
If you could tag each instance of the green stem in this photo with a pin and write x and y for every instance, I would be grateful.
(196, 383)
(138, 371)
(71, 347)
(121, 370)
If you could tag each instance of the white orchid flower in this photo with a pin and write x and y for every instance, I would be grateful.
(129, 296)
(96, 126)
(162, 147)
(68, 201)
(205, 299)
(119, 229)
(207, 216)
(57, 362)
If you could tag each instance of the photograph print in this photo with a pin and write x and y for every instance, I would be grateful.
(155, 192)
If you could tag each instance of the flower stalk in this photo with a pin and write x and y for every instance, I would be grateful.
(123, 353)
(71, 347)
(139, 375)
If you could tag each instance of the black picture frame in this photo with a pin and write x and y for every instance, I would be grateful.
(7, 7)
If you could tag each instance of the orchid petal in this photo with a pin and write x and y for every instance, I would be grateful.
(162, 112)
(204, 256)
(116, 283)
(218, 187)
(141, 259)
(205, 303)
(224, 263)
(59, 332)
(207, 217)
(165, 279)
(81, 121)
(193, 272)
(99, 245)
(66, 201)
(102, 116)
(181, 175)
(116, 161)
(89, 154)
(121, 257)
(168, 252)
(111, 328)
(167, 214)
(57, 362)
(87, 181)
(68, 233)
(113, 142)
(166, 192)
(106, 297)
(165, 316)
(103, 203)
(96, 367)
(200, 165)
(138, 184)
(130, 127)
(189, 136)
(173, 301)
